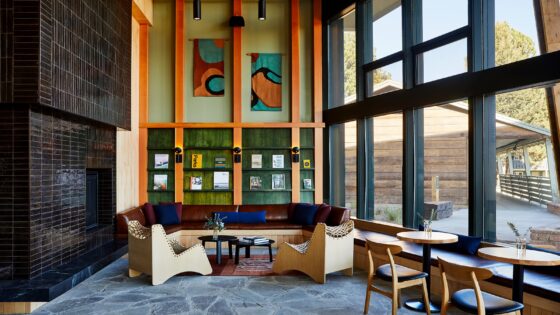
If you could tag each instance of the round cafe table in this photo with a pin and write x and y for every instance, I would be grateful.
(426, 239)
(518, 260)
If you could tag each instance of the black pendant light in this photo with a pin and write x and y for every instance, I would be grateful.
(196, 10)
(262, 10)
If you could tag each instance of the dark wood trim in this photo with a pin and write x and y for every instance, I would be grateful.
(442, 40)
(536, 71)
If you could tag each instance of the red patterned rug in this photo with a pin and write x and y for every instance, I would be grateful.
(257, 265)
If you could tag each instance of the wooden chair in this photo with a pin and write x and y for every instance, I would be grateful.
(473, 301)
(152, 253)
(330, 249)
(399, 276)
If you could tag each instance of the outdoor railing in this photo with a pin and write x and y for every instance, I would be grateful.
(531, 188)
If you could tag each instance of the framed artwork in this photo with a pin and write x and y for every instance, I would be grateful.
(278, 181)
(277, 161)
(266, 82)
(208, 67)
(221, 180)
(196, 183)
(161, 161)
(256, 161)
(255, 183)
(306, 163)
(160, 182)
(196, 161)
(307, 183)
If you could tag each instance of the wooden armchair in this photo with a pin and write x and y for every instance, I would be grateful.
(152, 253)
(474, 301)
(330, 249)
(399, 276)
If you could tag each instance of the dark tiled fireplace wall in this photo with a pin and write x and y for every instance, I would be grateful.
(64, 88)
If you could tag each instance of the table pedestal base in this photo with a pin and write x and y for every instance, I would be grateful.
(417, 305)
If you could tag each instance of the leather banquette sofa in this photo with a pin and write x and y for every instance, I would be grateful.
(278, 217)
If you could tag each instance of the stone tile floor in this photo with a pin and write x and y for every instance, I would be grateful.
(111, 291)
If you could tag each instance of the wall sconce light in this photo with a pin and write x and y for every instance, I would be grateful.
(295, 154)
(237, 155)
(197, 10)
(178, 154)
(262, 10)
(236, 21)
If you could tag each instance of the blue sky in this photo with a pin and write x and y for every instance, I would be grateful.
(442, 16)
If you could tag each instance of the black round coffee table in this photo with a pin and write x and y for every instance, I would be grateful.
(242, 243)
(221, 238)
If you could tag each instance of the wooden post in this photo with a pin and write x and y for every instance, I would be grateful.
(296, 178)
(318, 98)
(552, 171)
(236, 92)
(527, 161)
(500, 165)
(510, 164)
(179, 92)
(295, 95)
(143, 115)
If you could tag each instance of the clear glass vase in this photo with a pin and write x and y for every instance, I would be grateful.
(428, 227)
(215, 234)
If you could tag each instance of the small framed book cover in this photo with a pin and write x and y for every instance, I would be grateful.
(307, 183)
(220, 162)
(256, 161)
(196, 182)
(161, 161)
(255, 183)
(306, 163)
(278, 182)
(196, 161)
(160, 182)
(277, 161)
(221, 180)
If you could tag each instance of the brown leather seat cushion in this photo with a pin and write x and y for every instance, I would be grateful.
(126, 216)
(272, 225)
(172, 228)
(273, 212)
(337, 216)
(194, 213)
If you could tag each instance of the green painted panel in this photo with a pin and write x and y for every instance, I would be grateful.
(212, 25)
(266, 138)
(207, 179)
(306, 60)
(266, 158)
(161, 67)
(265, 198)
(161, 139)
(157, 197)
(306, 136)
(307, 154)
(266, 177)
(208, 198)
(208, 157)
(208, 138)
(307, 196)
(269, 36)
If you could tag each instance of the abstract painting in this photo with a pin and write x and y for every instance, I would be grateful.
(208, 67)
(266, 82)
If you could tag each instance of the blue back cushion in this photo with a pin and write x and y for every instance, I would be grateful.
(228, 217)
(465, 245)
(304, 213)
(252, 217)
(166, 214)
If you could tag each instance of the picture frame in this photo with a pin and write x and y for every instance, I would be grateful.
(161, 161)
(277, 161)
(278, 182)
(160, 182)
(255, 183)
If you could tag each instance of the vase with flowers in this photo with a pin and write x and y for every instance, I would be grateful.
(520, 240)
(216, 224)
(427, 222)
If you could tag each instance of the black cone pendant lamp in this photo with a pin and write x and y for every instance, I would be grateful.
(262, 10)
(196, 10)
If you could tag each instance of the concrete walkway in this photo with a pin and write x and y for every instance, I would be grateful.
(523, 214)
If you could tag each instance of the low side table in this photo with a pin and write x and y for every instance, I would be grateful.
(221, 238)
(240, 243)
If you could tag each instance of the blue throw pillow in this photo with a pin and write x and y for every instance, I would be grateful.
(252, 217)
(166, 214)
(228, 217)
(304, 213)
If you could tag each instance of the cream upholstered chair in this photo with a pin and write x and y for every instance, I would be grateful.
(150, 251)
(330, 249)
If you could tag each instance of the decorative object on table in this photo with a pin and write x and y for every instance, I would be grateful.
(256, 239)
(311, 257)
(520, 240)
(307, 183)
(161, 161)
(160, 182)
(266, 82)
(427, 222)
(220, 162)
(208, 67)
(277, 161)
(255, 183)
(172, 257)
(216, 224)
(306, 163)
(196, 160)
(278, 182)
(221, 180)
(256, 161)
(196, 182)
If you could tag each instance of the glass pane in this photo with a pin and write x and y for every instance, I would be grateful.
(446, 167)
(526, 183)
(444, 61)
(387, 167)
(516, 31)
(342, 68)
(343, 165)
(387, 28)
(385, 79)
(443, 16)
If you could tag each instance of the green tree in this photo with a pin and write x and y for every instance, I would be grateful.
(350, 66)
(528, 105)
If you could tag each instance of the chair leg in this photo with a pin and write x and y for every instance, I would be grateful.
(427, 298)
(400, 299)
(133, 273)
(368, 295)
(395, 302)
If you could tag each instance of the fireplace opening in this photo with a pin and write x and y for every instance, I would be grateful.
(92, 199)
